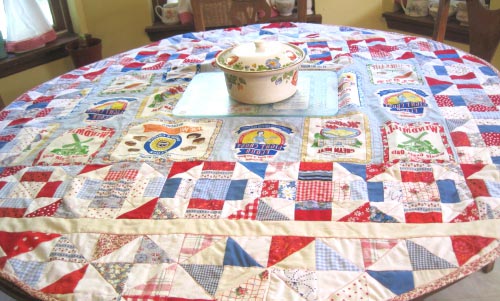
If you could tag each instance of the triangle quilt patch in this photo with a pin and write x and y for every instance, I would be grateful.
(423, 259)
(396, 257)
(27, 271)
(374, 249)
(398, 282)
(162, 212)
(158, 286)
(17, 243)
(304, 282)
(470, 169)
(206, 275)
(193, 244)
(182, 280)
(378, 216)
(470, 213)
(248, 212)
(254, 288)
(466, 247)
(361, 214)
(236, 256)
(48, 210)
(145, 211)
(183, 167)
(256, 168)
(91, 168)
(355, 290)
(150, 252)
(65, 250)
(67, 283)
(267, 213)
(108, 243)
(355, 169)
(114, 273)
(284, 246)
(328, 259)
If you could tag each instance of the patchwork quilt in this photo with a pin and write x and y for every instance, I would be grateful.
(105, 194)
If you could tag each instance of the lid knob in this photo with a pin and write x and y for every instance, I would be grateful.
(260, 46)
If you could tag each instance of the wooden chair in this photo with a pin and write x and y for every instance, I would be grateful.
(484, 28)
(226, 13)
(441, 20)
(302, 10)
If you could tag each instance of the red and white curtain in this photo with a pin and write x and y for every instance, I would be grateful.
(27, 27)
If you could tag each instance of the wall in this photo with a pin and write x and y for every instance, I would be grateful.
(358, 13)
(120, 24)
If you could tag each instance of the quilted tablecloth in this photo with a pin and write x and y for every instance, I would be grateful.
(106, 195)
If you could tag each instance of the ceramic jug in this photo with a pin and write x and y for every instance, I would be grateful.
(462, 14)
(415, 8)
(185, 12)
(285, 7)
(168, 13)
(434, 7)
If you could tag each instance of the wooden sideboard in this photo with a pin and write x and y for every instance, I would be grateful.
(425, 26)
(159, 30)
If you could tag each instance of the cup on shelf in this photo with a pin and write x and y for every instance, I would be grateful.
(185, 12)
(434, 6)
(415, 8)
(285, 7)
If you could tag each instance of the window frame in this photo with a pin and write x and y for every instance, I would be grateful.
(17, 62)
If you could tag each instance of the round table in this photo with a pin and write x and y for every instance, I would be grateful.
(115, 185)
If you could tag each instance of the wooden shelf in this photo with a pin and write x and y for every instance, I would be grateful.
(52, 51)
(425, 26)
(159, 31)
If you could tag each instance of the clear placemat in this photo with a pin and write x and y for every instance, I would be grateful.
(206, 95)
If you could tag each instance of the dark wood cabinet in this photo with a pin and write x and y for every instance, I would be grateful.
(425, 26)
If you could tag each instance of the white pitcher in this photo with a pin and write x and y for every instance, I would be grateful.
(168, 13)
(416, 8)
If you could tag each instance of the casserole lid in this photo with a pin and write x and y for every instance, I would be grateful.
(260, 56)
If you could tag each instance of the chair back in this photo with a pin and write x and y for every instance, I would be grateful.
(484, 27)
(484, 30)
(226, 13)
(302, 10)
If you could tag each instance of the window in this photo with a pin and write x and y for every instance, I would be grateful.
(57, 13)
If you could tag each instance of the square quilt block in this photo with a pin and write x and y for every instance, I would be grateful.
(375, 191)
(236, 190)
(420, 192)
(415, 142)
(211, 189)
(154, 187)
(448, 191)
(313, 211)
(204, 209)
(423, 212)
(343, 138)
(287, 190)
(270, 188)
(170, 187)
(320, 191)
(490, 132)
(160, 141)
